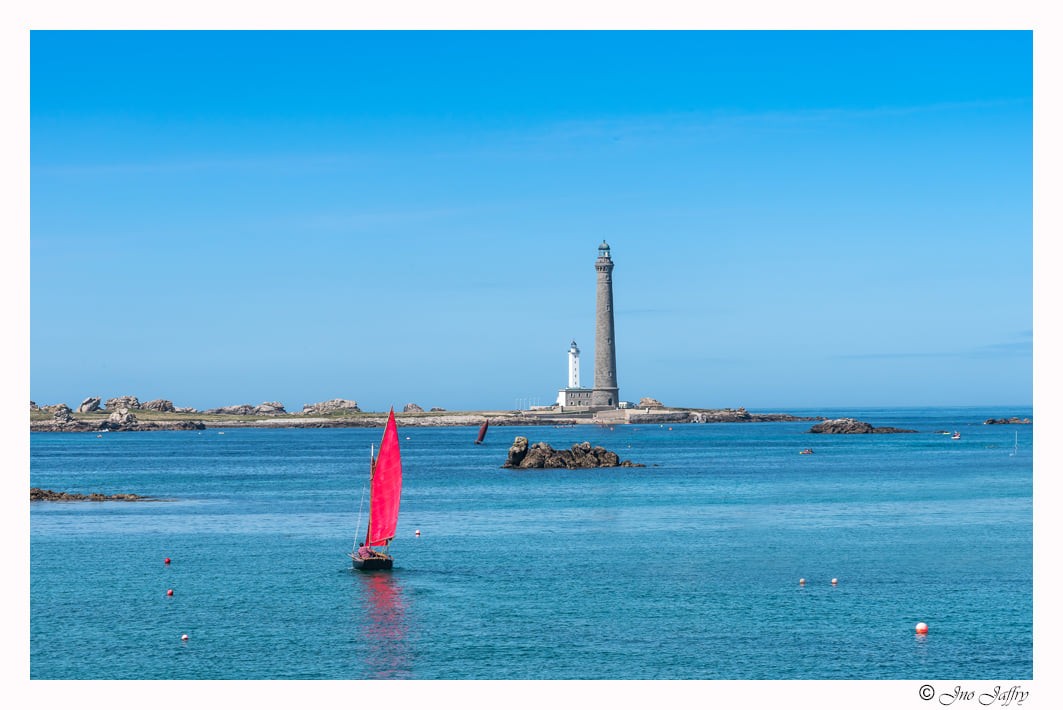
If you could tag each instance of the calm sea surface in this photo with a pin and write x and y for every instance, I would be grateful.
(685, 569)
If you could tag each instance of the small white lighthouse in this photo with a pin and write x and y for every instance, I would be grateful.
(573, 395)
(573, 366)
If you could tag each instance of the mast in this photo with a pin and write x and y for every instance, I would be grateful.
(369, 523)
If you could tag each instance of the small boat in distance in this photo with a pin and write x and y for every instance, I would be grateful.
(808, 451)
(955, 435)
(483, 431)
(385, 490)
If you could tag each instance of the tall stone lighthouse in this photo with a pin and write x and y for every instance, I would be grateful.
(606, 393)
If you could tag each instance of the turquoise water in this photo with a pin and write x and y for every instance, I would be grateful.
(685, 569)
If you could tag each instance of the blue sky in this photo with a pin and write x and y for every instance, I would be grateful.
(798, 219)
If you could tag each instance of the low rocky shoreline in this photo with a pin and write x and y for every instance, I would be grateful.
(122, 414)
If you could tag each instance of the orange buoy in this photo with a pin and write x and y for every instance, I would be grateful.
(169, 592)
(834, 581)
(921, 628)
(801, 581)
(184, 637)
(166, 561)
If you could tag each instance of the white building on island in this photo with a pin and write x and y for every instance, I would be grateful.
(574, 395)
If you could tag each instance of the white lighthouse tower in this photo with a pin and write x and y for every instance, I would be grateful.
(573, 366)
(573, 395)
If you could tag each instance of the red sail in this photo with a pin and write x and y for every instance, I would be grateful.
(483, 430)
(386, 487)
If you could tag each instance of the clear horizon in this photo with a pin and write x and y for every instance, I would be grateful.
(825, 219)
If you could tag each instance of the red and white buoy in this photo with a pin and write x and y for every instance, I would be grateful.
(417, 533)
(184, 637)
(801, 581)
(834, 582)
(166, 561)
(169, 592)
(921, 628)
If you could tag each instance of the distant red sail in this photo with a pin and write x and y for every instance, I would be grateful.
(483, 430)
(386, 488)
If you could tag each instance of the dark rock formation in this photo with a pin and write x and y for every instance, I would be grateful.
(128, 402)
(90, 404)
(437, 409)
(34, 407)
(411, 407)
(1010, 420)
(61, 413)
(50, 495)
(852, 426)
(330, 406)
(516, 452)
(159, 405)
(128, 422)
(542, 455)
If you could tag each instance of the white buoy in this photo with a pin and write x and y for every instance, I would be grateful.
(921, 628)
(184, 637)
(834, 581)
(801, 581)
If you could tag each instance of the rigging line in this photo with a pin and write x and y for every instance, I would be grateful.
(354, 543)
(354, 546)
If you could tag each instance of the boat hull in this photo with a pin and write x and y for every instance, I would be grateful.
(372, 563)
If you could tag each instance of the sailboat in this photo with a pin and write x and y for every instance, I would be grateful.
(483, 431)
(1016, 449)
(385, 489)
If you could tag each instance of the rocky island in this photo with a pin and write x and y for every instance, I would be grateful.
(542, 455)
(852, 426)
(1008, 420)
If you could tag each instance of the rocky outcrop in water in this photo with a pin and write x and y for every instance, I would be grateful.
(89, 404)
(1010, 420)
(159, 405)
(411, 407)
(650, 402)
(542, 455)
(330, 406)
(50, 495)
(852, 426)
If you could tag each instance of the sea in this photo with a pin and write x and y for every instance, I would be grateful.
(689, 568)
